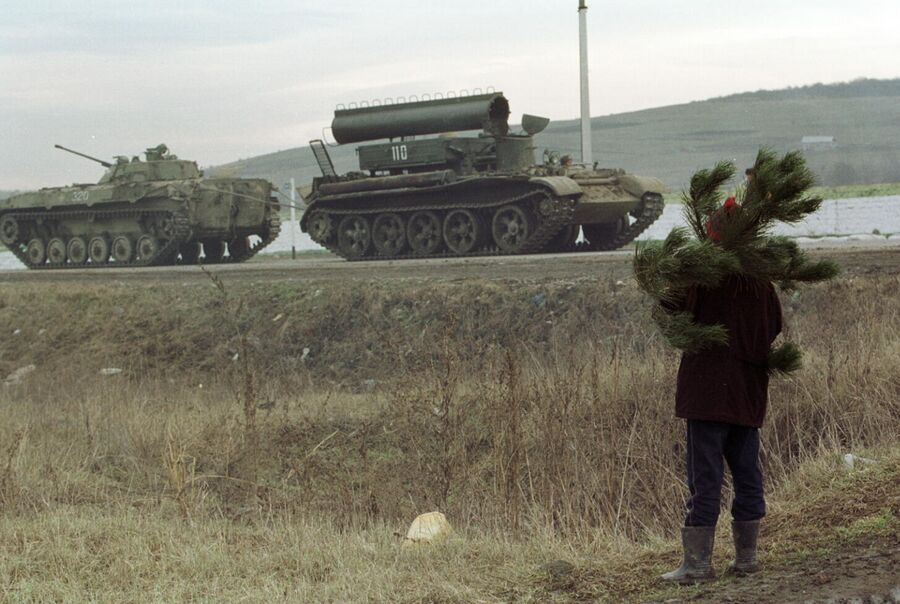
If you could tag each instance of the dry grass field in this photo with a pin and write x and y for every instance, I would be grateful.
(264, 442)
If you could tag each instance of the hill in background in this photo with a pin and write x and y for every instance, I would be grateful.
(672, 142)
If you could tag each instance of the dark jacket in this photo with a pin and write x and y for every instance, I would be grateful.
(730, 383)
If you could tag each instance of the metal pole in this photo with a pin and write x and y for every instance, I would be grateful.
(587, 155)
(293, 219)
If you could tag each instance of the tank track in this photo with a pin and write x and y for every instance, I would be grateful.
(272, 232)
(649, 213)
(164, 255)
(544, 233)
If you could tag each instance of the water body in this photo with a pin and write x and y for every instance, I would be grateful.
(853, 219)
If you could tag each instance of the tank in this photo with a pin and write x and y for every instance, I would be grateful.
(156, 211)
(429, 191)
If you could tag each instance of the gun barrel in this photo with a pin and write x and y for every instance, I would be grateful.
(105, 164)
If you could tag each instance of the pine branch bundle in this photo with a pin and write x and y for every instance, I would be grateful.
(706, 196)
(784, 359)
(681, 331)
(732, 238)
(669, 267)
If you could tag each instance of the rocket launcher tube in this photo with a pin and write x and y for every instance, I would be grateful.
(489, 112)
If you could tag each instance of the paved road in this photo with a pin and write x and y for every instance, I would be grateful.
(863, 257)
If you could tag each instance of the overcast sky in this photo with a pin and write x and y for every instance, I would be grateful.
(219, 81)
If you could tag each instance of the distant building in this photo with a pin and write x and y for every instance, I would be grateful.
(817, 143)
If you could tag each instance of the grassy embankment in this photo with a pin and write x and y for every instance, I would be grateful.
(225, 463)
(848, 191)
(841, 192)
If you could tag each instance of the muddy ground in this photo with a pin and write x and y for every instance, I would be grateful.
(867, 573)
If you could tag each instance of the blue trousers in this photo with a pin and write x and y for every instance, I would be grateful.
(709, 446)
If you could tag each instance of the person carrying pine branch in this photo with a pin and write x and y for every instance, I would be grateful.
(716, 302)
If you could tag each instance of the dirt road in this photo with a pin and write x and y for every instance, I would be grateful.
(863, 574)
(610, 265)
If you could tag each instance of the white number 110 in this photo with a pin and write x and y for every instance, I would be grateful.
(398, 152)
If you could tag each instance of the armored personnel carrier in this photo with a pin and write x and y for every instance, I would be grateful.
(141, 213)
(459, 195)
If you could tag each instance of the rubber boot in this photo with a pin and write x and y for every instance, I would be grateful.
(745, 536)
(696, 567)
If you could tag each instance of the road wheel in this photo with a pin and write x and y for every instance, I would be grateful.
(354, 236)
(36, 252)
(98, 250)
(389, 235)
(424, 233)
(9, 230)
(511, 228)
(147, 248)
(122, 250)
(320, 227)
(77, 250)
(190, 252)
(213, 251)
(463, 231)
(56, 252)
